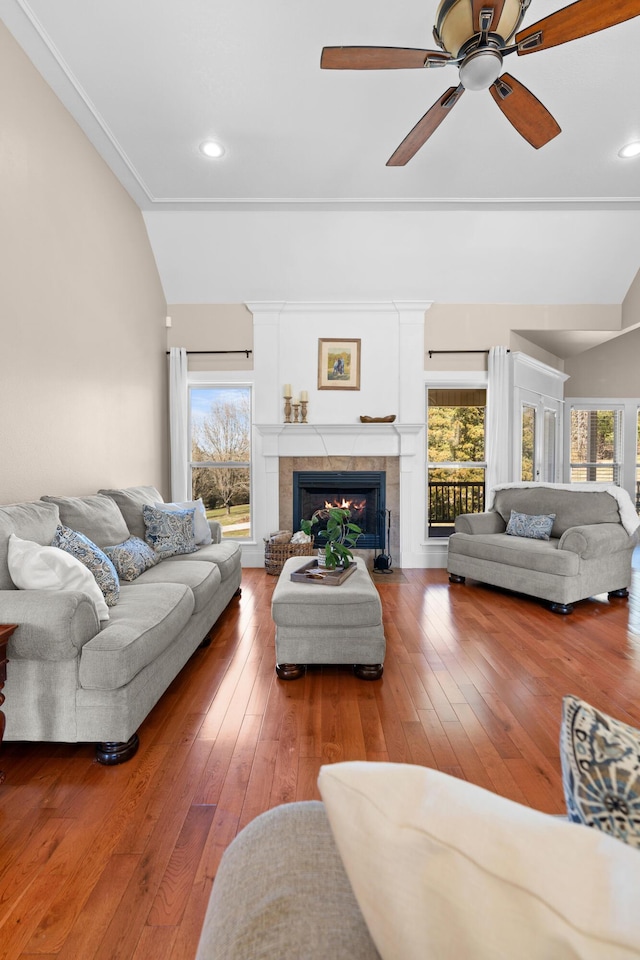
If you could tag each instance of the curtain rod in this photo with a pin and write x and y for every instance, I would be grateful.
(192, 352)
(431, 352)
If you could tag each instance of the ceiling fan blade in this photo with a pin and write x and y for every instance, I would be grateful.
(531, 119)
(487, 21)
(380, 58)
(577, 20)
(425, 127)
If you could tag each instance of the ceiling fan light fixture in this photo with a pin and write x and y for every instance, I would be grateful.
(212, 149)
(630, 150)
(480, 69)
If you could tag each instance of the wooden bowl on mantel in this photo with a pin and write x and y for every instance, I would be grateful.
(388, 419)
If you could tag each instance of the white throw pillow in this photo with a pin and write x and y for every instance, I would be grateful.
(447, 870)
(201, 527)
(33, 567)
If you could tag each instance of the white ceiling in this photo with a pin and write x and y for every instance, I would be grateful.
(478, 211)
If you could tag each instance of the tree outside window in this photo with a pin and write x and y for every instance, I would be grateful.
(456, 456)
(220, 418)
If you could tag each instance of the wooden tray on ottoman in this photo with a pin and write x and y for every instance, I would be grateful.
(313, 573)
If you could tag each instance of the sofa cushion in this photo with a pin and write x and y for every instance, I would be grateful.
(131, 558)
(442, 868)
(572, 507)
(531, 527)
(36, 521)
(95, 516)
(542, 556)
(203, 579)
(131, 500)
(94, 559)
(600, 760)
(226, 555)
(34, 567)
(169, 532)
(145, 622)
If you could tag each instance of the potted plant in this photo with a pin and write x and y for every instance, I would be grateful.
(341, 535)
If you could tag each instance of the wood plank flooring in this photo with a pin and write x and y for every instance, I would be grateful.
(118, 863)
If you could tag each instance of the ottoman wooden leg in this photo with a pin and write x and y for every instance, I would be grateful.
(368, 671)
(290, 671)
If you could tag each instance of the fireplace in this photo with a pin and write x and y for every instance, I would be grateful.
(361, 491)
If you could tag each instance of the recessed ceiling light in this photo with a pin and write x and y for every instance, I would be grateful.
(212, 149)
(630, 150)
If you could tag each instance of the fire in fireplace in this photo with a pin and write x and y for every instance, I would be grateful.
(360, 491)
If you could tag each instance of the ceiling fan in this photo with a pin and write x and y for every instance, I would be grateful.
(475, 36)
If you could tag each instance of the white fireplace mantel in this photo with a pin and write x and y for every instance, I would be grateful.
(338, 439)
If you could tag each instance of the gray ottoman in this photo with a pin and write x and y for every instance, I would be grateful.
(316, 623)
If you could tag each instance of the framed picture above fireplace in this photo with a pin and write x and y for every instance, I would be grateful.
(338, 364)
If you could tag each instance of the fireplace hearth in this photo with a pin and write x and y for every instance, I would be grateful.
(362, 492)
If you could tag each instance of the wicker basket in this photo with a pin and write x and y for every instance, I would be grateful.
(275, 554)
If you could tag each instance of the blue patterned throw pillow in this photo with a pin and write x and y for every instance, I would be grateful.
(131, 558)
(93, 558)
(600, 760)
(533, 527)
(169, 533)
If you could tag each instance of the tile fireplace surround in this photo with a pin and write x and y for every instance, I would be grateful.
(389, 465)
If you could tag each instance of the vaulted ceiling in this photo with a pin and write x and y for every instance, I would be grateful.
(492, 219)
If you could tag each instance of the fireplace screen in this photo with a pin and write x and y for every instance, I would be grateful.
(361, 492)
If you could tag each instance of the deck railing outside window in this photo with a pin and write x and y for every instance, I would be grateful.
(448, 500)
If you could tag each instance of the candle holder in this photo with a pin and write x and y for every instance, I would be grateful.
(296, 411)
(287, 409)
(303, 411)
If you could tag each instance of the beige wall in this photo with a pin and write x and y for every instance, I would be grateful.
(212, 326)
(82, 332)
(470, 326)
(612, 369)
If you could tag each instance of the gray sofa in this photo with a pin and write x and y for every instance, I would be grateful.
(73, 678)
(589, 550)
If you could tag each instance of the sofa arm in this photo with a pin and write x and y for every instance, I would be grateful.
(490, 522)
(51, 625)
(216, 531)
(595, 540)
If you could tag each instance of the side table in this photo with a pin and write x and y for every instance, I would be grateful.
(6, 629)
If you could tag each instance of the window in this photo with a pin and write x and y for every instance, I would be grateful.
(220, 466)
(596, 445)
(528, 441)
(456, 452)
(637, 500)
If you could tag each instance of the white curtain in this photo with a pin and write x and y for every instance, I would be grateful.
(498, 421)
(178, 423)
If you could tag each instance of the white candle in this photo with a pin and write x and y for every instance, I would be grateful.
(304, 395)
(287, 390)
(294, 401)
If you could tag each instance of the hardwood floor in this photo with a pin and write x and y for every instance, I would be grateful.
(118, 862)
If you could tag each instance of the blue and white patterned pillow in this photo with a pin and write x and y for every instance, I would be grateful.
(533, 527)
(131, 558)
(169, 533)
(600, 760)
(93, 558)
